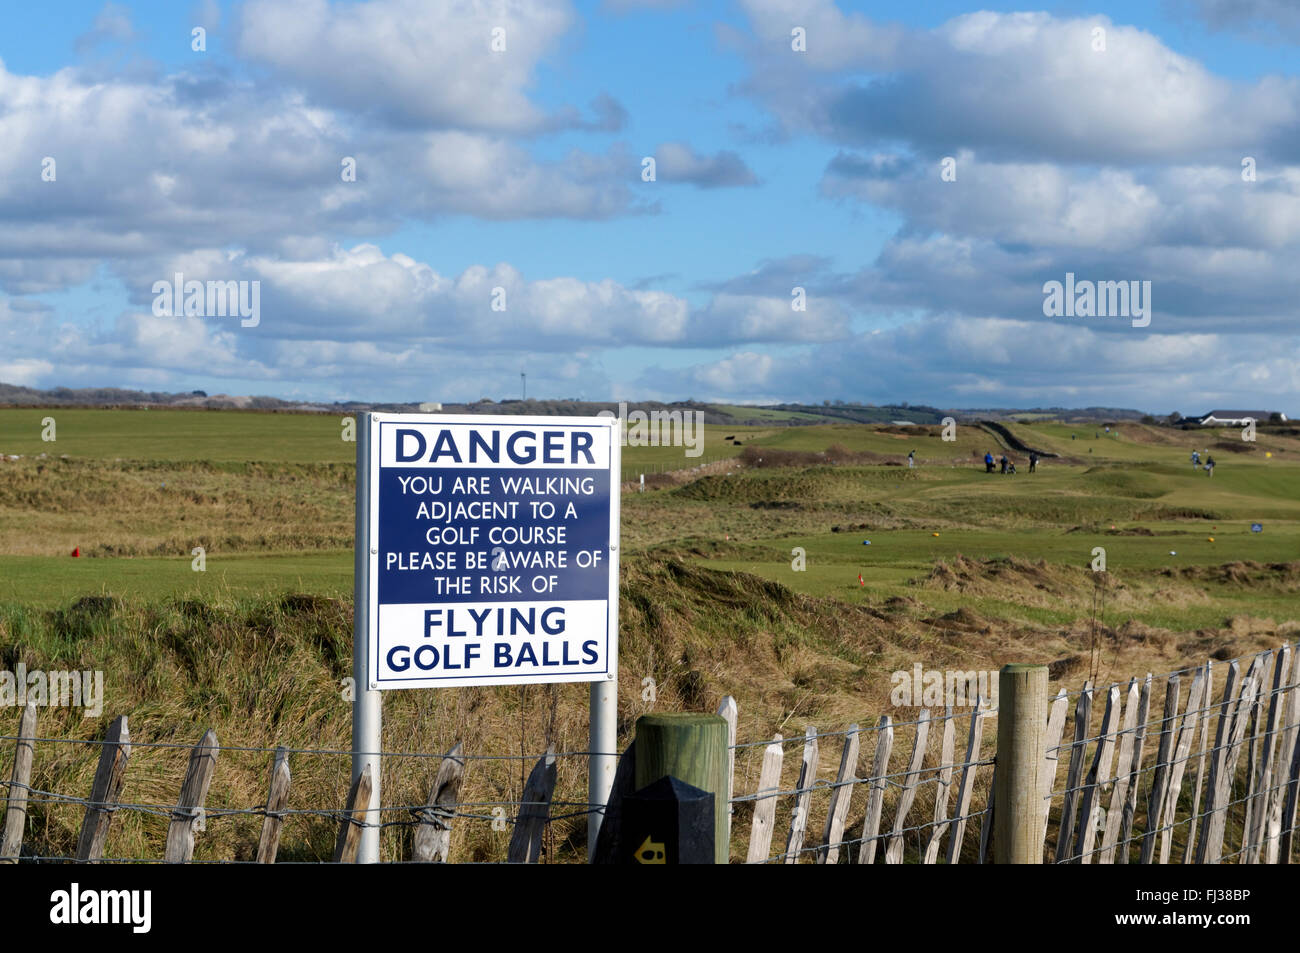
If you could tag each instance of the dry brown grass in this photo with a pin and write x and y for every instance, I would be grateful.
(268, 672)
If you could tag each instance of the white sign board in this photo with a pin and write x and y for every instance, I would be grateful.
(493, 550)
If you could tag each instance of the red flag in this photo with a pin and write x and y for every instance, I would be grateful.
(77, 551)
(860, 582)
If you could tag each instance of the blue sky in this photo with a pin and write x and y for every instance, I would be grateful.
(520, 170)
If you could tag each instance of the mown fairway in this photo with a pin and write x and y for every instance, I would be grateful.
(269, 498)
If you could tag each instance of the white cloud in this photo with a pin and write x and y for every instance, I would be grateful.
(1024, 84)
(996, 362)
(414, 61)
(244, 167)
(355, 294)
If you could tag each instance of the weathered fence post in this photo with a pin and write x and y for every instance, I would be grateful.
(1290, 735)
(966, 790)
(1070, 801)
(1182, 753)
(189, 806)
(277, 796)
(769, 779)
(1022, 724)
(838, 811)
(1119, 795)
(803, 796)
(1257, 832)
(1289, 808)
(1098, 776)
(946, 748)
(1055, 729)
(113, 756)
(1190, 846)
(691, 748)
(1164, 751)
(1249, 691)
(1222, 737)
(354, 814)
(876, 791)
(11, 842)
(534, 811)
(432, 841)
(729, 713)
(894, 849)
(1135, 772)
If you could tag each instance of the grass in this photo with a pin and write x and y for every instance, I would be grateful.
(257, 646)
(178, 435)
(49, 581)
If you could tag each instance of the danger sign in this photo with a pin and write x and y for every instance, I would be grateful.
(493, 550)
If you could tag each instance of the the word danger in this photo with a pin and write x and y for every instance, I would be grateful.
(558, 447)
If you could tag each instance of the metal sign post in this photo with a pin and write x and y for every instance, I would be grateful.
(367, 708)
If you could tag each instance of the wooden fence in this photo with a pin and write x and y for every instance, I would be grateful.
(1212, 778)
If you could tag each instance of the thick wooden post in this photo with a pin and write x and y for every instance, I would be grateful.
(1022, 723)
(11, 841)
(692, 748)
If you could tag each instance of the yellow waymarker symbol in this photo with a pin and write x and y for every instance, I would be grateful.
(650, 852)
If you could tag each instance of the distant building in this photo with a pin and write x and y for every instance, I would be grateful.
(431, 407)
(1236, 418)
(901, 423)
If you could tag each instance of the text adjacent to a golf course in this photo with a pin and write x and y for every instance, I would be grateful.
(493, 561)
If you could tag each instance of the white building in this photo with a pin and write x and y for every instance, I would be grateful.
(431, 407)
(1236, 418)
